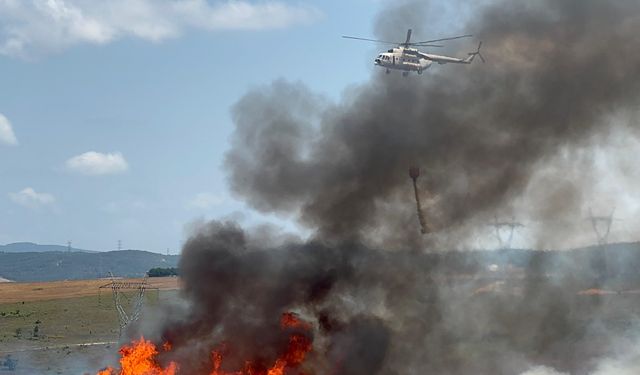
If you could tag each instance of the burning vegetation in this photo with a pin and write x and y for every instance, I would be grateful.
(141, 357)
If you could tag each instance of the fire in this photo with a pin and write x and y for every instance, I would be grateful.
(291, 320)
(140, 358)
(299, 346)
(297, 349)
(595, 292)
(167, 346)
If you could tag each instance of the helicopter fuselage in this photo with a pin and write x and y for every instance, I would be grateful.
(403, 59)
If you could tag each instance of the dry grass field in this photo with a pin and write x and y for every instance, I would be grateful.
(43, 291)
(76, 322)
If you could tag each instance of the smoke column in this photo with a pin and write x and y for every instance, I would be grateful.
(556, 70)
(556, 73)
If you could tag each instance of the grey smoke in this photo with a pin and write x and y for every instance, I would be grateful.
(238, 292)
(380, 312)
(557, 70)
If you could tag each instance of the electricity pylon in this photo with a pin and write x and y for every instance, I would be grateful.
(129, 308)
(510, 226)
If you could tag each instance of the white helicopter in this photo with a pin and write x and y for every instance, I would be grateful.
(408, 59)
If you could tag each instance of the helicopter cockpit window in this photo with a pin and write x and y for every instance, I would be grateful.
(390, 51)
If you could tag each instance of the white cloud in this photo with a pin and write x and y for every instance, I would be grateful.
(94, 163)
(6, 131)
(204, 201)
(30, 198)
(29, 27)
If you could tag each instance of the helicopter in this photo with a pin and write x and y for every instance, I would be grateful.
(407, 58)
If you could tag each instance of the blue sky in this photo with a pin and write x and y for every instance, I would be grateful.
(115, 121)
(115, 115)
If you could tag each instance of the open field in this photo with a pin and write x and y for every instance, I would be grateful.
(42, 291)
(74, 334)
(71, 312)
(77, 324)
(78, 333)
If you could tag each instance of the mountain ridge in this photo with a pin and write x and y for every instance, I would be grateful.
(64, 265)
(32, 247)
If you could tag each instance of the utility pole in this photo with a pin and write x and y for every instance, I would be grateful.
(500, 226)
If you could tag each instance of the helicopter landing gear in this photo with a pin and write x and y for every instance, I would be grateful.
(405, 74)
(388, 71)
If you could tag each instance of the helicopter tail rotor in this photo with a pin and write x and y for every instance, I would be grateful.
(472, 55)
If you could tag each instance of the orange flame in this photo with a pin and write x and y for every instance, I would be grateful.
(291, 320)
(299, 346)
(297, 349)
(139, 358)
(167, 346)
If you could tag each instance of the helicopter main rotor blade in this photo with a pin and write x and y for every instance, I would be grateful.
(440, 40)
(414, 51)
(370, 40)
(408, 37)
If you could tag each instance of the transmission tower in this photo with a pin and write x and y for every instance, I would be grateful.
(500, 227)
(119, 245)
(129, 308)
(601, 227)
(68, 246)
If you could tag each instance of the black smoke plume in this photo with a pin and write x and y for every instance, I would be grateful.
(239, 292)
(556, 72)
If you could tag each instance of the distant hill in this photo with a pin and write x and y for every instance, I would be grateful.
(63, 265)
(30, 247)
(618, 263)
